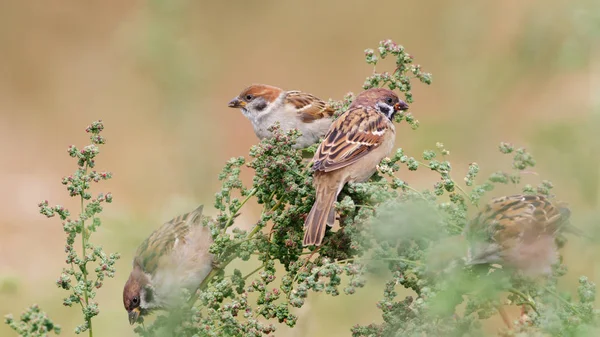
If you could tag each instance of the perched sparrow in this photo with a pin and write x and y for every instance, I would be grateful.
(353, 147)
(173, 257)
(518, 231)
(265, 105)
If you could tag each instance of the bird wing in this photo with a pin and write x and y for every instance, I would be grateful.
(309, 108)
(357, 132)
(165, 239)
(510, 220)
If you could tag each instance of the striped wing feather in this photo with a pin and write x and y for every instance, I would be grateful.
(163, 240)
(309, 107)
(515, 218)
(357, 132)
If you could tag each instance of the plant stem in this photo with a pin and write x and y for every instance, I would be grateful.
(232, 216)
(84, 263)
(449, 177)
(396, 259)
(222, 265)
(254, 271)
(526, 299)
(560, 298)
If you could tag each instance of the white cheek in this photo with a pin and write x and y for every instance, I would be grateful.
(385, 109)
(143, 303)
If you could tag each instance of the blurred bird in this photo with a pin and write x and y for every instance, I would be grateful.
(519, 231)
(173, 257)
(353, 147)
(264, 105)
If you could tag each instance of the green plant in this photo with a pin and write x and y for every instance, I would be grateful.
(386, 224)
(79, 277)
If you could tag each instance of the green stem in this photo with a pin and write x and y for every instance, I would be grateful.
(560, 298)
(232, 216)
(414, 190)
(525, 298)
(397, 259)
(225, 263)
(84, 239)
(464, 192)
(214, 271)
(455, 183)
(253, 272)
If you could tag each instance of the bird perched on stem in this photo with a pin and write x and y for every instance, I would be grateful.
(265, 105)
(173, 257)
(519, 231)
(353, 147)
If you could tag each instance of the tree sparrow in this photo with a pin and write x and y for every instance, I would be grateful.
(518, 231)
(353, 147)
(264, 105)
(173, 257)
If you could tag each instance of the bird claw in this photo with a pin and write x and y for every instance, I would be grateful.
(216, 265)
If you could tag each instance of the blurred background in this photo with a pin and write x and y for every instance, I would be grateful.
(160, 74)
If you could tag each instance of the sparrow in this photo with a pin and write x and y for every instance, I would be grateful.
(264, 105)
(353, 147)
(518, 231)
(173, 257)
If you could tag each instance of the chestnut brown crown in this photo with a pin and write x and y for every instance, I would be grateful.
(370, 98)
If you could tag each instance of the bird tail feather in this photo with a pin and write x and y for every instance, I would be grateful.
(320, 215)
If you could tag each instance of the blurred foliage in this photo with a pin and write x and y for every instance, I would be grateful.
(33, 322)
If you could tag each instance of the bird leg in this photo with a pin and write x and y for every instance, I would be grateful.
(216, 264)
(310, 256)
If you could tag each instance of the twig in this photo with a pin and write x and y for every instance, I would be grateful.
(232, 216)
(84, 269)
(525, 298)
(253, 272)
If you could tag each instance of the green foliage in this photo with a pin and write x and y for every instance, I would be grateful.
(386, 224)
(79, 278)
(33, 322)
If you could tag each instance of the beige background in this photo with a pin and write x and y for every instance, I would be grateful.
(160, 74)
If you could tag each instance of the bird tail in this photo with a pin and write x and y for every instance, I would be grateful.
(321, 214)
(566, 225)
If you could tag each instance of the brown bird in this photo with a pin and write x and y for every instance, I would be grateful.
(264, 105)
(173, 257)
(518, 231)
(353, 147)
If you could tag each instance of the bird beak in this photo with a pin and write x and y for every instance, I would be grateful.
(134, 315)
(402, 106)
(236, 103)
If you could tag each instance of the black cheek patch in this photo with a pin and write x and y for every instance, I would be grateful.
(148, 295)
(260, 106)
(384, 109)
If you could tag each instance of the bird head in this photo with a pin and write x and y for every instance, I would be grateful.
(137, 295)
(255, 99)
(384, 100)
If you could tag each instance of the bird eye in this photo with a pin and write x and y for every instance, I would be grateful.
(389, 101)
(135, 301)
(249, 97)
